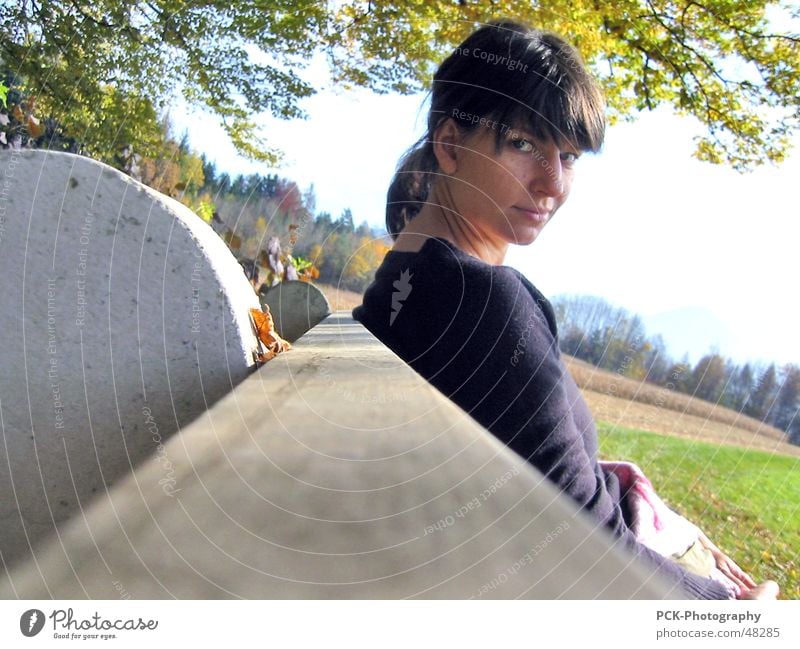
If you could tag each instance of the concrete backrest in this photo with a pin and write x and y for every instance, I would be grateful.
(122, 317)
(296, 307)
(335, 471)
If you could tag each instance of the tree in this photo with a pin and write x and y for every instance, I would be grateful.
(788, 401)
(708, 378)
(345, 221)
(290, 201)
(602, 334)
(656, 361)
(310, 199)
(209, 172)
(101, 66)
(741, 386)
(680, 375)
(223, 184)
(762, 398)
(85, 58)
(366, 257)
(325, 222)
(586, 313)
(721, 61)
(173, 169)
(238, 187)
(364, 230)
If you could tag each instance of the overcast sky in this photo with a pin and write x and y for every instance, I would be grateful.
(647, 227)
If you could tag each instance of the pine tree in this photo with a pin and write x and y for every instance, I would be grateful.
(762, 398)
(788, 400)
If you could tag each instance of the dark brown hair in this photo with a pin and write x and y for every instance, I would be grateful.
(510, 75)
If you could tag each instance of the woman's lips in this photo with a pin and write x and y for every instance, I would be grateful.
(538, 216)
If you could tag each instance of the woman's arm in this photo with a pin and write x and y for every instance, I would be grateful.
(495, 354)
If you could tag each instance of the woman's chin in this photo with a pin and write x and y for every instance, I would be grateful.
(525, 237)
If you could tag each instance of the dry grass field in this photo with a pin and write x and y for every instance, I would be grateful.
(340, 299)
(628, 403)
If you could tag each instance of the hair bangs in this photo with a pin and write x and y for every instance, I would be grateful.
(557, 107)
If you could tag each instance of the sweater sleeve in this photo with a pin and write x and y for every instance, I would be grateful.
(496, 356)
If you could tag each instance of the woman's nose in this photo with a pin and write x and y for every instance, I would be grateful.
(547, 171)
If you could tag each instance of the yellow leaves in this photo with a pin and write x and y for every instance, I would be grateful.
(707, 151)
(162, 174)
(270, 344)
(366, 259)
(191, 169)
(173, 170)
(678, 53)
(34, 128)
(309, 273)
(204, 208)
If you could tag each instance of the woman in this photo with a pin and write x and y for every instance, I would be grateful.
(512, 110)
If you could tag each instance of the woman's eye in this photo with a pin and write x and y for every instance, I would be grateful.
(569, 157)
(521, 144)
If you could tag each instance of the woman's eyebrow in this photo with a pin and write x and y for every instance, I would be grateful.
(563, 143)
(523, 131)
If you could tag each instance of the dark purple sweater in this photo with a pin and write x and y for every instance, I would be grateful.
(486, 337)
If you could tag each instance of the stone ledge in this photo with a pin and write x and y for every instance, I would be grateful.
(335, 471)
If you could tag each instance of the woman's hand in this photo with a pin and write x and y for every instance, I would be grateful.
(732, 571)
(767, 590)
(729, 567)
(748, 589)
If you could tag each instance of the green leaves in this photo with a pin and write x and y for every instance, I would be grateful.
(732, 64)
(723, 61)
(3, 94)
(204, 208)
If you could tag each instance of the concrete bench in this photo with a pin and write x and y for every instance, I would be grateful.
(334, 471)
(122, 318)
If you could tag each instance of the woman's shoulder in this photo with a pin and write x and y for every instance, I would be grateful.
(442, 282)
(439, 270)
(441, 253)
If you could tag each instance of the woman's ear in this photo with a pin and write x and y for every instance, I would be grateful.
(446, 139)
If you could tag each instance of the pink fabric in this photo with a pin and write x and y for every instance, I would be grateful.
(654, 524)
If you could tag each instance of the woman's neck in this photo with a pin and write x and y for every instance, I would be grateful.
(434, 220)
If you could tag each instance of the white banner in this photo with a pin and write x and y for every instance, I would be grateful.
(389, 624)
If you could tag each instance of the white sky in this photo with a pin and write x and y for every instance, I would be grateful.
(647, 227)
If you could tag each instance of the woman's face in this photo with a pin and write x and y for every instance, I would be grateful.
(509, 194)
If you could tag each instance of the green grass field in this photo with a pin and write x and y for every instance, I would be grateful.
(747, 502)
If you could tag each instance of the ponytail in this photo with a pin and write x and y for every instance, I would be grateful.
(410, 185)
